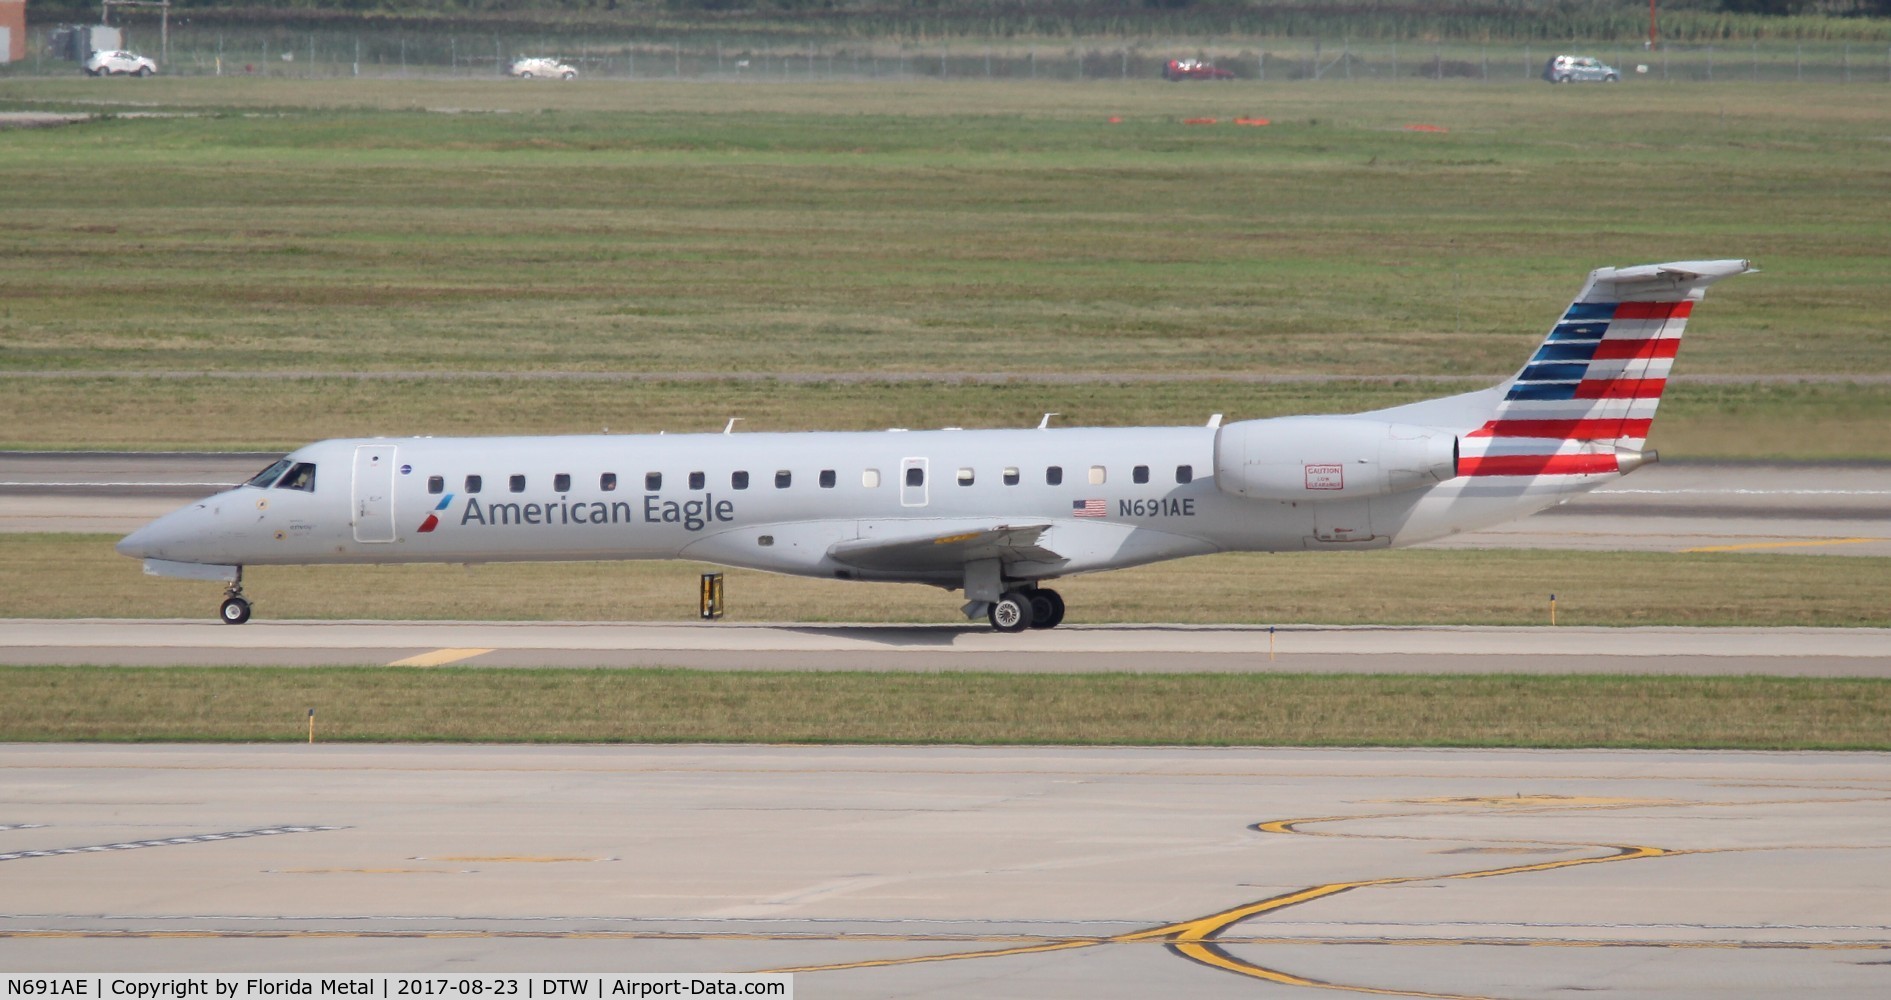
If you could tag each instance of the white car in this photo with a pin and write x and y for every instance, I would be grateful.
(1579, 69)
(105, 63)
(525, 69)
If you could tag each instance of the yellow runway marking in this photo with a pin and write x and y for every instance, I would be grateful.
(1806, 543)
(1200, 940)
(439, 658)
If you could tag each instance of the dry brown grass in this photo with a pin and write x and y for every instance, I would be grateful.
(80, 575)
(198, 704)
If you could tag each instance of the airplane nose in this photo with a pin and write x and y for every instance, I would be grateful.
(180, 535)
(138, 544)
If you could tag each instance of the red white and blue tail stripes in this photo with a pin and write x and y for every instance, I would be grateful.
(1588, 393)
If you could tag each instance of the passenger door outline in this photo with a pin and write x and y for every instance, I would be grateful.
(374, 493)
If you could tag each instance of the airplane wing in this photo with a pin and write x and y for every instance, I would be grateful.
(936, 551)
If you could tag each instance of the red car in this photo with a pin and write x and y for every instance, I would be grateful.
(1178, 70)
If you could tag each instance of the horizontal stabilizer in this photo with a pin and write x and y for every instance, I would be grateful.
(945, 551)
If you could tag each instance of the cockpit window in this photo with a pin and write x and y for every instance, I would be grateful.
(300, 477)
(267, 478)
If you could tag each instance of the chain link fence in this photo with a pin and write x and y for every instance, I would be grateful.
(195, 51)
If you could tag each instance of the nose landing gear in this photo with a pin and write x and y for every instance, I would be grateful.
(235, 610)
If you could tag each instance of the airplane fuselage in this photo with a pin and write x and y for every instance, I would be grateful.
(992, 512)
(780, 502)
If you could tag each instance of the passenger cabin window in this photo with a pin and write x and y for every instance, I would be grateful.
(965, 477)
(301, 476)
(652, 481)
(783, 479)
(608, 482)
(739, 480)
(473, 484)
(1184, 473)
(915, 476)
(1054, 476)
(1139, 474)
(561, 483)
(267, 478)
(517, 484)
(827, 479)
(696, 480)
(1011, 475)
(870, 478)
(436, 484)
(1098, 475)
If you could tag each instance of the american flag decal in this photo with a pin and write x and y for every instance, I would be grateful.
(1089, 508)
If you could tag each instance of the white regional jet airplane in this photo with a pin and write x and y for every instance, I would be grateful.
(994, 513)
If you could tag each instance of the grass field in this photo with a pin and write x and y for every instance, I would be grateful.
(200, 704)
(59, 576)
(84, 412)
(339, 226)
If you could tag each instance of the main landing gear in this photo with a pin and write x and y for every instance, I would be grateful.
(1032, 607)
(235, 610)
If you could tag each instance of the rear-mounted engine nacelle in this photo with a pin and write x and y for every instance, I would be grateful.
(1324, 458)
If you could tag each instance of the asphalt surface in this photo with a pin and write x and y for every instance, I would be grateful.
(955, 872)
(1796, 652)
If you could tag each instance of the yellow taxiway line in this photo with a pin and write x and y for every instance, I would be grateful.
(439, 658)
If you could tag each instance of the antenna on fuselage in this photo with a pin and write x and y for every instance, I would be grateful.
(1045, 424)
(731, 428)
(1215, 420)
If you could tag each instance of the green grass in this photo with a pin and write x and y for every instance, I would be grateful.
(644, 706)
(84, 412)
(923, 227)
(320, 227)
(55, 576)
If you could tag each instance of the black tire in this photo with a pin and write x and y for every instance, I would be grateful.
(144, 71)
(571, 75)
(234, 611)
(1047, 608)
(1611, 78)
(525, 76)
(1011, 612)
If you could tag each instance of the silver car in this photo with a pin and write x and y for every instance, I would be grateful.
(107, 62)
(526, 69)
(1579, 69)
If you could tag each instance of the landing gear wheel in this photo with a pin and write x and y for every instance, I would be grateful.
(1047, 608)
(1011, 612)
(235, 610)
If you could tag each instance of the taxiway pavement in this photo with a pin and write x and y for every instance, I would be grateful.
(1803, 652)
(954, 871)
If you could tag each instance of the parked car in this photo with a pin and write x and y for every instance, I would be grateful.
(110, 61)
(1177, 70)
(526, 69)
(1579, 69)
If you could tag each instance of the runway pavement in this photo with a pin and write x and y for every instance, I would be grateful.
(1804, 652)
(955, 872)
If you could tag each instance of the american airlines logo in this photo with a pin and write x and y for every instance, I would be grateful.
(433, 519)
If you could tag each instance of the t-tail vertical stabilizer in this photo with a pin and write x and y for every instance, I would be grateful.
(1584, 402)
